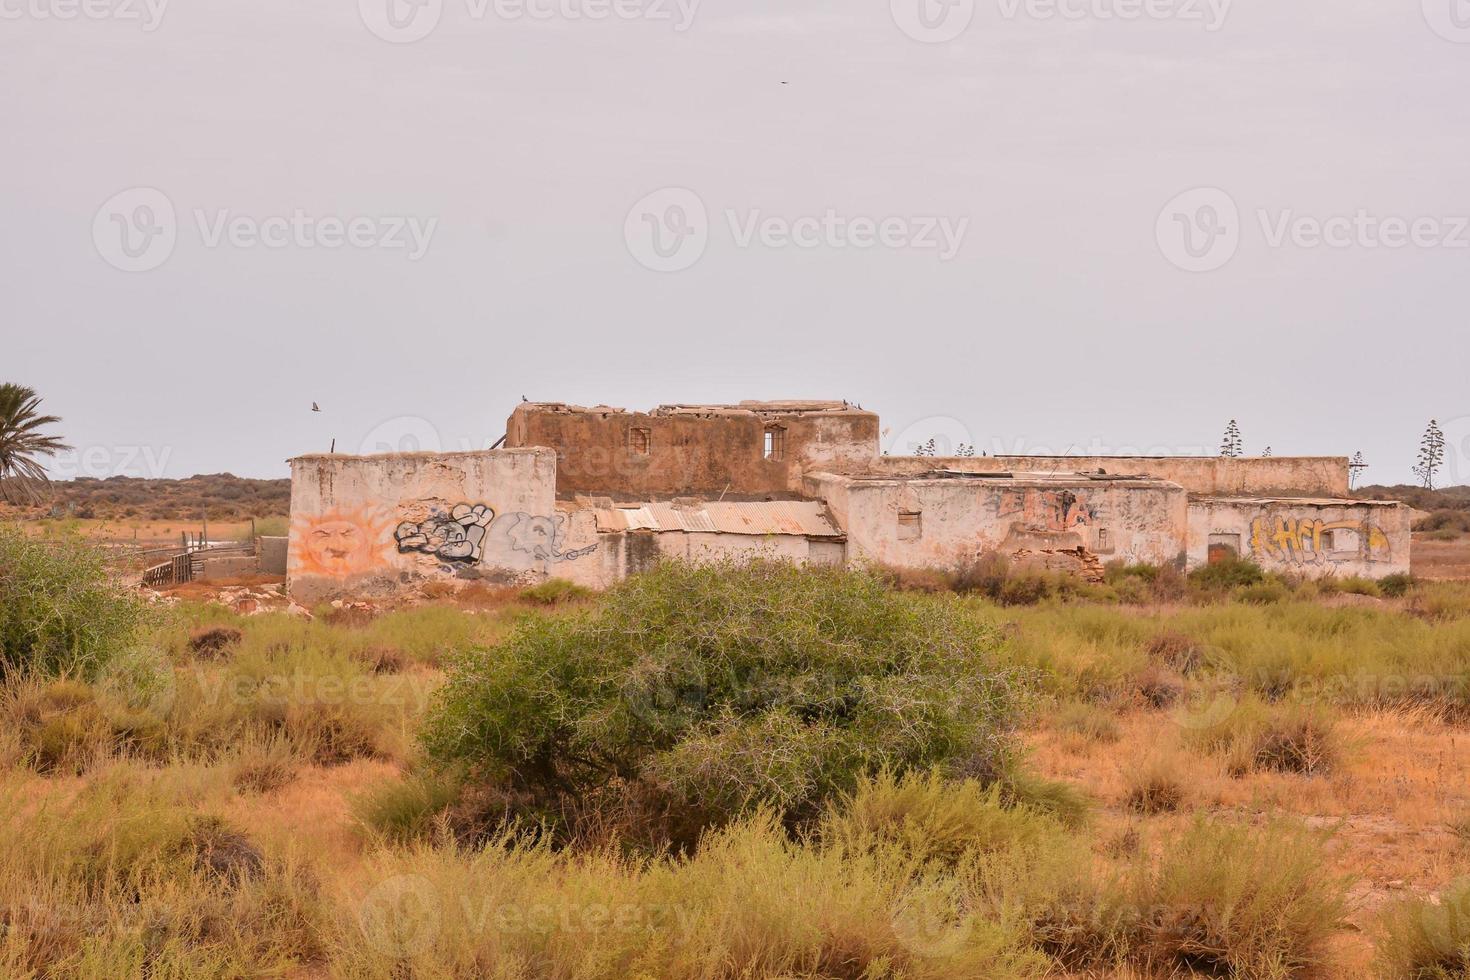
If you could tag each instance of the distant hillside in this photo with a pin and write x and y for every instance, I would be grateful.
(223, 496)
(1448, 509)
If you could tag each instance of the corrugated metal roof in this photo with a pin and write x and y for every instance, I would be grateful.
(799, 517)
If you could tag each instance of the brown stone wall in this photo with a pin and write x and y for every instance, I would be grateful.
(694, 451)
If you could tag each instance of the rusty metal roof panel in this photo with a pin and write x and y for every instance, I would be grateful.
(772, 517)
(796, 517)
(640, 518)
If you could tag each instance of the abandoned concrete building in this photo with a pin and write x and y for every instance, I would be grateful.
(595, 494)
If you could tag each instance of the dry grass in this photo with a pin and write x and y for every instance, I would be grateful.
(254, 819)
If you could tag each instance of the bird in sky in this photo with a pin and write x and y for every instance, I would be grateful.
(315, 407)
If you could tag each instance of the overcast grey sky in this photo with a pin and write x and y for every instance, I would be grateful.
(1042, 225)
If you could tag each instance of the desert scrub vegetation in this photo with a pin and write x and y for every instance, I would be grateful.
(911, 876)
(60, 610)
(123, 880)
(1427, 939)
(1294, 650)
(1254, 736)
(690, 695)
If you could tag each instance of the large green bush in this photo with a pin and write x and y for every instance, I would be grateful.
(689, 695)
(60, 611)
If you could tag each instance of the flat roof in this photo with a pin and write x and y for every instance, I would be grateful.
(1002, 479)
(1293, 501)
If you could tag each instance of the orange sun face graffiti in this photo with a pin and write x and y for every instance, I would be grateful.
(340, 543)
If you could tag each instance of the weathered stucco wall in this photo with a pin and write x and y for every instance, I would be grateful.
(624, 553)
(1296, 476)
(941, 523)
(1308, 537)
(369, 525)
(679, 450)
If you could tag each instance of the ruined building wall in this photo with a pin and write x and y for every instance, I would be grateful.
(369, 525)
(714, 451)
(1315, 538)
(942, 523)
(1284, 476)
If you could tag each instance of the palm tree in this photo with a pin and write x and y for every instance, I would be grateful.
(21, 474)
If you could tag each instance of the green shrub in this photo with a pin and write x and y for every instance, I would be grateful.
(555, 592)
(404, 809)
(1397, 585)
(1357, 585)
(1264, 593)
(1286, 737)
(1427, 940)
(705, 692)
(931, 818)
(1244, 901)
(1227, 574)
(1087, 721)
(60, 610)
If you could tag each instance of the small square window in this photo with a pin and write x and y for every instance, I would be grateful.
(639, 441)
(910, 525)
(775, 444)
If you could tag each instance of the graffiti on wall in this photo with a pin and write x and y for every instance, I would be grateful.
(458, 536)
(340, 543)
(541, 538)
(1304, 540)
(468, 532)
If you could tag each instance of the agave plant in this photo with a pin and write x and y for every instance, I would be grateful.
(22, 478)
